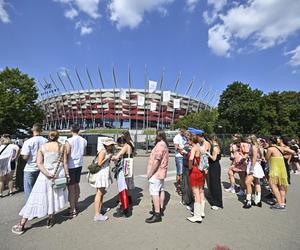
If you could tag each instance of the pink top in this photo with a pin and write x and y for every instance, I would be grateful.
(159, 152)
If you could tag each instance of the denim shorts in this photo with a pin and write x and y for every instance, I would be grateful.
(75, 174)
(179, 165)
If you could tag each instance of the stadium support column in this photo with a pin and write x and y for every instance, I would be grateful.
(101, 99)
(51, 91)
(161, 96)
(175, 89)
(92, 85)
(207, 93)
(115, 86)
(61, 101)
(64, 86)
(83, 117)
(209, 100)
(129, 95)
(146, 115)
(197, 94)
(45, 106)
(49, 111)
(71, 83)
(186, 93)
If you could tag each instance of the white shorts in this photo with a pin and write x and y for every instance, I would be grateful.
(258, 171)
(156, 185)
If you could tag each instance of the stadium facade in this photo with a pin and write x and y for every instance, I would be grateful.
(117, 108)
(130, 108)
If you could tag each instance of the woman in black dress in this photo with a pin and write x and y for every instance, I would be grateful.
(214, 171)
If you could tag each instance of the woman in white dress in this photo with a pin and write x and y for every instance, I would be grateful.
(44, 199)
(8, 154)
(103, 178)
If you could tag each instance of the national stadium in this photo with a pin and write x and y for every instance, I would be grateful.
(126, 108)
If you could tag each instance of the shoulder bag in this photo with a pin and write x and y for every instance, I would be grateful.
(94, 167)
(128, 167)
(61, 182)
(203, 162)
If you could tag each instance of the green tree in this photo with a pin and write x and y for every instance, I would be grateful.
(240, 109)
(205, 119)
(280, 114)
(18, 95)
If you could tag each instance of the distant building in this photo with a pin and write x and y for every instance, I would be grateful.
(119, 108)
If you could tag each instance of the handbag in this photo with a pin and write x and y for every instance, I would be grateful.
(128, 167)
(203, 162)
(94, 167)
(60, 182)
(91, 178)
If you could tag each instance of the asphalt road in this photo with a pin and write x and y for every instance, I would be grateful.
(234, 227)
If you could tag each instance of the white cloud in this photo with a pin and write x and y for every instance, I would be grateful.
(218, 40)
(71, 13)
(3, 14)
(217, 6)
(262, 23)
(90, 7)
(295, 56)
(130, 13)
(191, 4)
(84, 28)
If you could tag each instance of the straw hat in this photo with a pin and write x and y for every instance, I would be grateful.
(108, 142)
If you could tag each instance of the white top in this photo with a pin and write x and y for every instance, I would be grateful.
(181, 141)
(78, 145)
(5, 158)
(30, 148)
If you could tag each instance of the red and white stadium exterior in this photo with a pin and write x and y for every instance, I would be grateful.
(105, 108)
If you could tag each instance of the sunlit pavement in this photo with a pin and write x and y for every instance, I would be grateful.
(234, 227)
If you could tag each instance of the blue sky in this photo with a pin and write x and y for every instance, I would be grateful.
(212, 41)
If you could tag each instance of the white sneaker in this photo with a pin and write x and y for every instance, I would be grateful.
(230, 190)
(100, 218)
(241, 193)
(188, 208)
(215, 208)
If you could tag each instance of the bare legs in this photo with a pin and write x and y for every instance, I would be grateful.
(10, 182)
(158, 201)
(249, 180)
(198, 205)
(100, 192)
(74, 191)
(2, 178)
(9, 179)
(279, 193)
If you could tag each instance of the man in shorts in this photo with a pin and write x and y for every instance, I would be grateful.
(156, 173)
(75, 150)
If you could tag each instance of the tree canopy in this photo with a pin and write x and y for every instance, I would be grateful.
(18, 95)
(205, 119)
(244, 110)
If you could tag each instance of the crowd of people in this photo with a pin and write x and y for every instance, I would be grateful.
(52, 172)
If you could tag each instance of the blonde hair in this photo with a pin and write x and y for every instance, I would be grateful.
(253, 140)
(53, 135)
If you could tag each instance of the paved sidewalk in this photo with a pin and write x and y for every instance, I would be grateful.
(234, 227)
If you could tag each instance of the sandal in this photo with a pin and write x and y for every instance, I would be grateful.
(18, 229)
(69, 215)
(50, 222)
